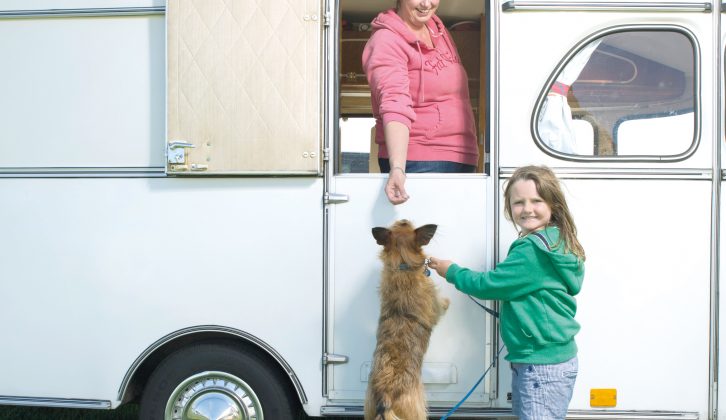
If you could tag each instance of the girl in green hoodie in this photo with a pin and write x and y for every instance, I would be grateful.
(536, 285)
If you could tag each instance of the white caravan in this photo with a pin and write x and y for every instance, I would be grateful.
(188, 187)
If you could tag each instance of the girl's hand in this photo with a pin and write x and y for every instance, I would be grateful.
(441, 266)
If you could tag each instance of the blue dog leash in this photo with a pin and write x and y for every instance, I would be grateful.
(495, 314)
(456, 407)
(490, 311)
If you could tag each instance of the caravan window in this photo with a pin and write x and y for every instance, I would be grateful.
(628, 93)
(356, 149)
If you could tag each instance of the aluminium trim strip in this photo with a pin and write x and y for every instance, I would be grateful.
(94, 12)
(48, 172)
(151, 172)
(331, 143)
(55, 402)
(87, 175)
(469, 412)
(215, 329)
(492, 86)
(716, 208)
(613, 6)
(617, 173)
(280, 173)
(502, 413)
(630, 415)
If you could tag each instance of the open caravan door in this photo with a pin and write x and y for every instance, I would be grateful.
(460, 204)
(244, 87)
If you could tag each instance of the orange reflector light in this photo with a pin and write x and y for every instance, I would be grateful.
(603, 397)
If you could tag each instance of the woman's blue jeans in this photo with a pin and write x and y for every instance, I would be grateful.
(423, 166)
(542, 392)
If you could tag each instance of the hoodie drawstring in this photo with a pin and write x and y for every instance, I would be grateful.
(421, 73)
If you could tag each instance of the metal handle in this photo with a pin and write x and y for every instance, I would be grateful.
(175, 153)
(333, 198)
(177, 144)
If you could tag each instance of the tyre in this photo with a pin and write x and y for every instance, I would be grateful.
(216, 381)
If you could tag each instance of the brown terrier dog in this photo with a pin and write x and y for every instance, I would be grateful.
(410, 307)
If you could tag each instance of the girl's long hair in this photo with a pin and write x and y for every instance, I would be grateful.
(548, 187)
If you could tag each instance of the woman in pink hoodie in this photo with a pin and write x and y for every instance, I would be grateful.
(420, 96)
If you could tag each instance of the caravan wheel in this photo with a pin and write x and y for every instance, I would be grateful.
(216, 381)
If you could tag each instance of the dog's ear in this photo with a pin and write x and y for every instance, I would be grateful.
(382, 235)
(424, 234)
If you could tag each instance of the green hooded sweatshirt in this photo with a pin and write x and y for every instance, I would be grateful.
(536, 287)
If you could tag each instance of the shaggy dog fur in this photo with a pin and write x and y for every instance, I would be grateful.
(410, 307)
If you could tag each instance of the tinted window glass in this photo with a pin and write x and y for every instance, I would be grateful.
(624, 94)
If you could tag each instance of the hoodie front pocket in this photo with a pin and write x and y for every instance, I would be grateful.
(459, 120)
(516, 337)
(428, 120)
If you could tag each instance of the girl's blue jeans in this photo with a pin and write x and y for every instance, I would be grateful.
(542, 392)
(421, 166)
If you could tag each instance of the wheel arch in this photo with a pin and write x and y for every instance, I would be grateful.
(138, 373)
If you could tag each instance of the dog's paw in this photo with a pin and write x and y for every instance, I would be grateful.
(445, 303)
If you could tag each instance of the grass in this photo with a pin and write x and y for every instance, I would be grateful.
(127, 412)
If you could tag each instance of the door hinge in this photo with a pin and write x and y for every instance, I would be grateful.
(334, 359)
(326, 19)
(332, 198)
(326, 154)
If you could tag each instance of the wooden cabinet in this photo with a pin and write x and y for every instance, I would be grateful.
(351, 66)
(355, 95)
(468, 45)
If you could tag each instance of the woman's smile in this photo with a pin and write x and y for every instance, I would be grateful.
(416, 13)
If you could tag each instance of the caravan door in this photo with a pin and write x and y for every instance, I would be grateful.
(460, 344)
(459, 204)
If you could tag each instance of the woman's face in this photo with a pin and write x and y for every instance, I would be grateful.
(417, 12)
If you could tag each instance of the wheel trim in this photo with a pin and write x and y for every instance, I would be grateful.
(213, 396)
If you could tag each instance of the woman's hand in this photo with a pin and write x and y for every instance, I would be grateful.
(395, 190)
(441, 266)
(396, 137)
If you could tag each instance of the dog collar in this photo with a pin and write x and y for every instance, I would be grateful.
(406, 267)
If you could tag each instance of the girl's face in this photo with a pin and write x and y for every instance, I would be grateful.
(417, 12)
(529, 211)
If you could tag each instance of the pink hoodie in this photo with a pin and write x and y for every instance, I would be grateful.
(424, 88)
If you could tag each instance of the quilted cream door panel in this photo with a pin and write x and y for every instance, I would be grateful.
(244, 86)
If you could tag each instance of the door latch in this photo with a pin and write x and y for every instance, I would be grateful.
(175, 151)
(333, 198)
(334, 359)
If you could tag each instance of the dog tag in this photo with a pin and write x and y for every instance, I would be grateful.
(427, 272)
